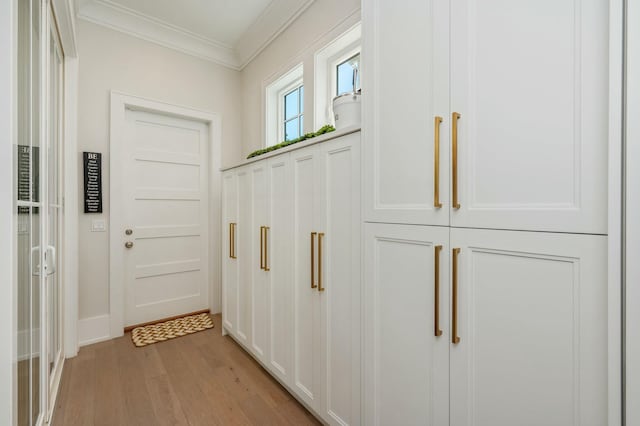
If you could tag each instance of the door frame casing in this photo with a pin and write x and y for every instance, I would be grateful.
(120, 102)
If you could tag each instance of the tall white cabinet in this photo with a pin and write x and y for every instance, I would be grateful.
(485, 133)
(291, 274)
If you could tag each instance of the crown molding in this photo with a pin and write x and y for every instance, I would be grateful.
(131, 22)
(276, 18)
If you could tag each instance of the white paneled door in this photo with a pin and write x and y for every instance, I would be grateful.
(531, 329)
(166, 234)
(529, 80)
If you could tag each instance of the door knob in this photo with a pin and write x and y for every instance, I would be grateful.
(128, 232)
(128, 244)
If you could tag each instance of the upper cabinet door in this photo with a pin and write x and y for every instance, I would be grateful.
(530, 327)
(530, 82)
(405, 89)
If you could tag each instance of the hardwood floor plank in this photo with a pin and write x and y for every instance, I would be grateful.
(199, 379)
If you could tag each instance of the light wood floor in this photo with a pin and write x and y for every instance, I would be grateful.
(200, 379)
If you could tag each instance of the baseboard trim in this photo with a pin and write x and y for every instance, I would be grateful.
(94, 329)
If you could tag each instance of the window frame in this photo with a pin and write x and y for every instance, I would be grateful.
(282, 119)
(273, 102)
(335, 73)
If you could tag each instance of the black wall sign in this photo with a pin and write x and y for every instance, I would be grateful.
(92, 182)
(28, 173)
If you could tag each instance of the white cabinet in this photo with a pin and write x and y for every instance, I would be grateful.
(326, 229)
(406, 353)
(527, 313)
(278, 243)
(295, 301)
(405, 55)
(244, 243)
(531, 138)
(229, 263)
(532, 310)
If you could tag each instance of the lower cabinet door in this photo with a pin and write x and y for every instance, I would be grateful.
(278, 260)
(259, 269)
(339, 258)
(532, 328)
(244, 256)
(407, 329)
(229, 263)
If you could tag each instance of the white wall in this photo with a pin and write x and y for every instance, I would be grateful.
(323, 21)
(113, 60)
(7, 282)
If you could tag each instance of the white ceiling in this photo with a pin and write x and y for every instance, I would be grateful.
(229, 32)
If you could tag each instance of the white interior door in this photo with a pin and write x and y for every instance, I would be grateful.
(166, 235)
(406, 362)
(530, 82)
(532, 324)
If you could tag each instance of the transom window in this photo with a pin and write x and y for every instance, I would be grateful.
(348, 75)
(293, 103)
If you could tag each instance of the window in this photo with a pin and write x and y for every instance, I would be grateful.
(284, 107)
(293, 113)
(348, 75)
(335, 67)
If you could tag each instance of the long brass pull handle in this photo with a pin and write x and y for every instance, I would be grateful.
(436, 163)
(233, 241)
(454, 163)
(455, 339)
(437, 331)
(266, 248)
(262, 247)
(313, 259)
(320, 235)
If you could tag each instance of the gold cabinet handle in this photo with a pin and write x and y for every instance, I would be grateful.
(454, 163)
(455, 339)
(313, 259)
(320, 236)
(262, 247)
(266, 248)
(437, 331)
(232, 238)
(436, 163)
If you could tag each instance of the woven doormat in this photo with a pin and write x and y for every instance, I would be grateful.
(143, 336)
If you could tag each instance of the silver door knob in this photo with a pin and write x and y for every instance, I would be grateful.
(128, 231)
(128, 244)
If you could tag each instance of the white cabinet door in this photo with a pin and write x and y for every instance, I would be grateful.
(532, 323)
(279, 240)
(229, 263)
(339, 261)
(259, 270)
(530, 82)
(406, 362)
(244, 255)
(406, 55)
(306, 334)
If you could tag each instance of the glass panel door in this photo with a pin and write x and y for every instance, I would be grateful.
(55, 209)
(28, 209)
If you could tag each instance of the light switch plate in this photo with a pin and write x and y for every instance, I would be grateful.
(98, 225)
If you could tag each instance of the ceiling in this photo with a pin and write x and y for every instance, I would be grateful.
(228, 32)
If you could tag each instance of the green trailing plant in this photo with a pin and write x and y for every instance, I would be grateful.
(324, 129)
